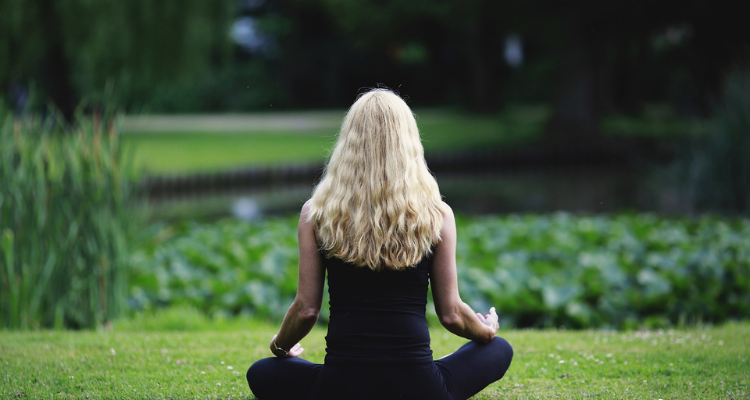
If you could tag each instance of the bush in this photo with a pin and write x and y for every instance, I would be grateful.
(228, 267)
(65, 223)
(597, 271)
(239, 88)
(538, 270)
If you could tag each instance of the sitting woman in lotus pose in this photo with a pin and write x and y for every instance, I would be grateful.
(377, 225)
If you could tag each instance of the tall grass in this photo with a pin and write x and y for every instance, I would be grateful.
(66, 219)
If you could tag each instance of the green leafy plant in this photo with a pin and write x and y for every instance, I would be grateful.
(228, 267)
(66, 221)
(538, 270)
(621, 271)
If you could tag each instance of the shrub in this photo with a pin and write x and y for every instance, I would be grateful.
(228, 267)
(538, 270)
(599, 271)
(65, 223)
(247, 86)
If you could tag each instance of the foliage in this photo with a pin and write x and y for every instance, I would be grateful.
(174, 55)
(717, 167)
(538, 270)
(701, 363)
(65, 223)
(582, 271)
(228, 267)
(237, 88)
(121, 51)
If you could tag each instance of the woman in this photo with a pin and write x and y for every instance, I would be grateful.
(376, 224)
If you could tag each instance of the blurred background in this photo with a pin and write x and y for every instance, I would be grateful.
(589, 95)
(125, 117)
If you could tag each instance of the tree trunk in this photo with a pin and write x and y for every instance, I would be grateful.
(56, 69)
(483, 43)
(575, 115)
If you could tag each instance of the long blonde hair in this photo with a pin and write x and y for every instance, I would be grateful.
(377, 204)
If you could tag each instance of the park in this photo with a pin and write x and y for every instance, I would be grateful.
(153, 164)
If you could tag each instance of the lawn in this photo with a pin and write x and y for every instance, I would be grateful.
(169, 357)
(199, 143)
(181, 143)
(165, 152)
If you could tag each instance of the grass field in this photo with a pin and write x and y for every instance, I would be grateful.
(181, 143)
(169, 356)
(199, 143)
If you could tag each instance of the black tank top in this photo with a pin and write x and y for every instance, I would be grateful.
(377, 317)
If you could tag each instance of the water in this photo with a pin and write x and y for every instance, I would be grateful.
(581, 190)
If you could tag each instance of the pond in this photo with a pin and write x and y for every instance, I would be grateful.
(574, 189)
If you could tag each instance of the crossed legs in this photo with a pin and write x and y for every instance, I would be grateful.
(457, 376)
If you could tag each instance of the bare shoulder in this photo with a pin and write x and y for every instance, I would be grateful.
(305, 214)
(448, 231)
(448, 217)
(306, 207)
(447, 210)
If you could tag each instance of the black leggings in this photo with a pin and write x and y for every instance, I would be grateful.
(457, 376)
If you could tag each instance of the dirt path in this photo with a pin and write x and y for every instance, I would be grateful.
(260, 122)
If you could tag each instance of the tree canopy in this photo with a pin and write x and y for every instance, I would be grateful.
(585, 58)
(108, 50)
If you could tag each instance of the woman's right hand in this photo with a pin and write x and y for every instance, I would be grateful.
(295, 351)
(490, 320)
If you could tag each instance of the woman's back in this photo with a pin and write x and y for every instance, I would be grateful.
(377, 316)
(377, 225)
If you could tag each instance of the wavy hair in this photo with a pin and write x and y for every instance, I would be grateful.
(377, 204)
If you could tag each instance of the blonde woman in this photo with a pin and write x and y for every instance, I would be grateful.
(377, 226)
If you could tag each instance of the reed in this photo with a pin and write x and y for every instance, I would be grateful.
(67, 218)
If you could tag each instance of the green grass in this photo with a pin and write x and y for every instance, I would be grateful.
(655, 128)
(305, 138)
(201, 151)
(181, 355)
(184, 143)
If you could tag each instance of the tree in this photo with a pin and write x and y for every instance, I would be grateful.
(462, 42)
(71, 49)
(608, 51)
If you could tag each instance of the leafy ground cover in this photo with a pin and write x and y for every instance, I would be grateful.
(554, 270)
(152, 358)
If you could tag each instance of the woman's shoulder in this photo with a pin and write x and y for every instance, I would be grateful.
(305, 216)
(447, 212)
(306, 207)
(449, 223)
(309, 210)
(446, 209)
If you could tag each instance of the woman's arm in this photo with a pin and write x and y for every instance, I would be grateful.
(454, 314)
(303, 313)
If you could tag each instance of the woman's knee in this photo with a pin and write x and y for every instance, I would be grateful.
(257, 374)
(502, 349)
(502, 345)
